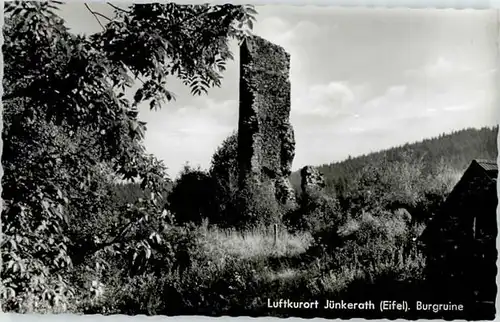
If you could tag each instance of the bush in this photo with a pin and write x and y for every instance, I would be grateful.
(316, 211)
(386, 184)
(224, 173)
(439, 184)
(136, 286)
(192, 197)
(224, 164)
(370, 250)
(255, 206)
(404, 183)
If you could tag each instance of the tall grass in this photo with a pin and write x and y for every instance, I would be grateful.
(254, 243)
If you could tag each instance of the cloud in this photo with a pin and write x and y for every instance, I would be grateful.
(207, 108)
(357, 129)
(406, 112)
(444, 67)
(457, 107)
(285, 33)
(394, 96)
(445, 74)
(396, 91)
(334, 92)
(323, 100)
(276, 30)
(439, 68)
(307, 29)
(418, 75)
(191, 133)
(293, 36)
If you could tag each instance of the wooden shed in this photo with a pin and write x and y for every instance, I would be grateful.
(460, 241)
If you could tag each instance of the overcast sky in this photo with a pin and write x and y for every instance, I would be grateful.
(362, 80)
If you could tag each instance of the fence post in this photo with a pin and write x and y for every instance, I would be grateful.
(275, 234)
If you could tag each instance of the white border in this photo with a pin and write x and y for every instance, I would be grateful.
(413, 4)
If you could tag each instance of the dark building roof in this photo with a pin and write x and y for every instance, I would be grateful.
(491, 167)
(486, 168)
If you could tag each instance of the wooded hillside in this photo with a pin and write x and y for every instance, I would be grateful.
(455, 149)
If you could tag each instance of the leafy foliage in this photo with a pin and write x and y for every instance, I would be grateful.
(224, 165)
(70, 132)
(254, 206)
(316, 211)
(192, 197)
(224, 173)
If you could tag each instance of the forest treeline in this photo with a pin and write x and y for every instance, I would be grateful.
(456, 149)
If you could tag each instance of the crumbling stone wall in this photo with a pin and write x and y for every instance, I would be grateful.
(266, 144)
(311, 180)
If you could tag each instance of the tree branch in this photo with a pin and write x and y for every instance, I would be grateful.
(118, 8)
(207, 9)
(101, 15)
(188, 19)
(95, 16)
(81, 250)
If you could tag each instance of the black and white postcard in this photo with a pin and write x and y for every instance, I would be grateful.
(174, 159)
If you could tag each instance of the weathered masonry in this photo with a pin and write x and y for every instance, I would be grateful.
(266, 144)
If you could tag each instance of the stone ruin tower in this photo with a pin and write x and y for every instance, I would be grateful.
(266, 144)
